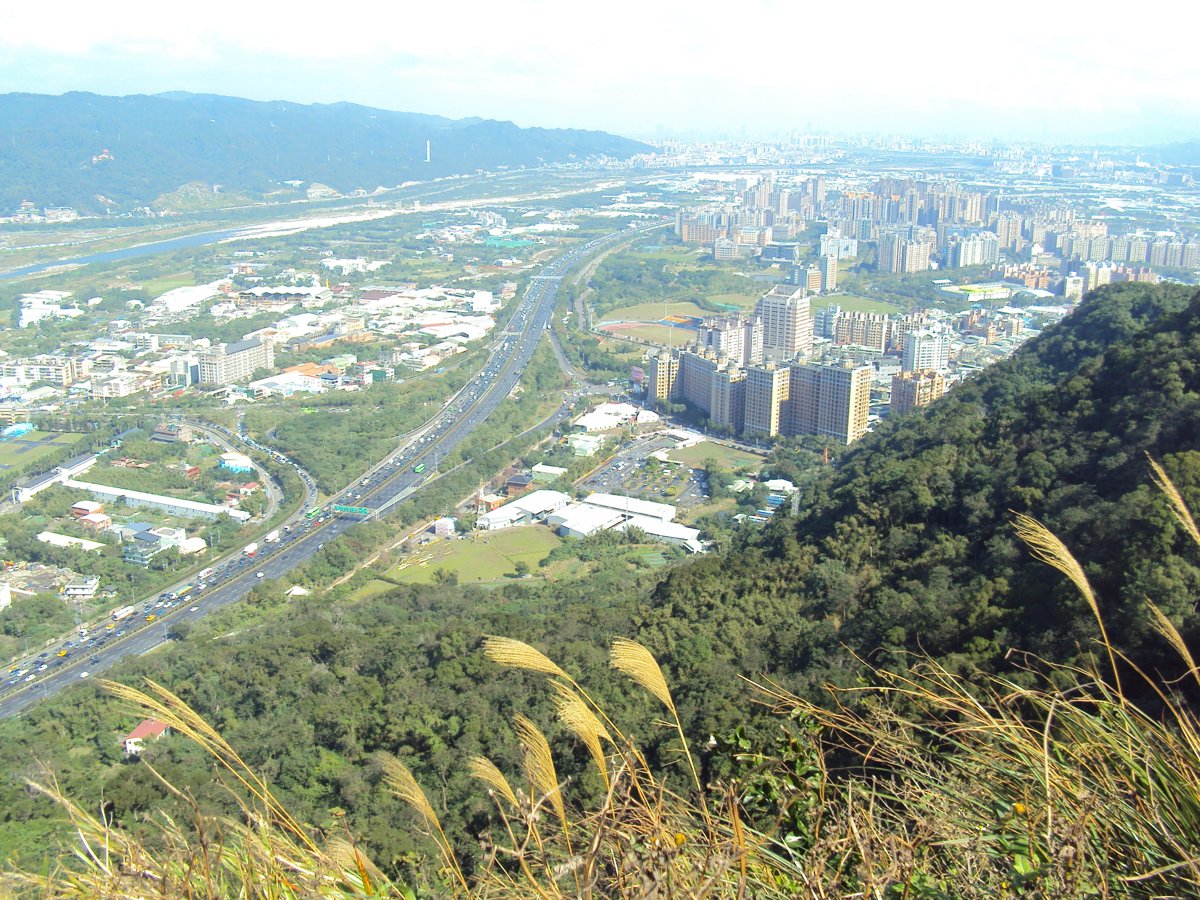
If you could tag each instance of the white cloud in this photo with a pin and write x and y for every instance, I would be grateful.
(621, 64)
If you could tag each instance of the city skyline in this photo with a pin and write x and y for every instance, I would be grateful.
(1023, 71)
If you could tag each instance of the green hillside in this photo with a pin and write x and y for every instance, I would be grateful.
(906, 548)
(115, 154)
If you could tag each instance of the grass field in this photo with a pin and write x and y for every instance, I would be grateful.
(159, 286)
(372, 588)
(730, 457)
(484, 557)
(656, 334)
(35, 445)
(653, 312)
(745, 301)
(852, 303)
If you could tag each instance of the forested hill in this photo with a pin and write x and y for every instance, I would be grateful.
(78, 148)
(909, 546)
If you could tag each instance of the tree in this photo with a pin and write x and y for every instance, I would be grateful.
(521, 568)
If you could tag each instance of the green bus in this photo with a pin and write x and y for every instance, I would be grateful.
(419, 468)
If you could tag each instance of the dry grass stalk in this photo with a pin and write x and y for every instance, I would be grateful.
(636, 662)
(519, 655)
(539, 766)
(400, 779)
(483, 769)
(579, 718)
(1178, 506)
(1046, 547)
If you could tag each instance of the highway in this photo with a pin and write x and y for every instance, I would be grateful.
(389, 482)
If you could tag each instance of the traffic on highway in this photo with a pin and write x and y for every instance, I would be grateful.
(139, 627)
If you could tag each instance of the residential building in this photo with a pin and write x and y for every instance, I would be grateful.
(913, 389)
(767, 390)
(829, 401)
(147, 730)
(231, 363)
(62, 371)
(787, 323)
(661, 374)
(926, 349)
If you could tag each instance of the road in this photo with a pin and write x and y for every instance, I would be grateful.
(391, 481)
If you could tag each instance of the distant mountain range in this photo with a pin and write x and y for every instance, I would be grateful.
(118, 153)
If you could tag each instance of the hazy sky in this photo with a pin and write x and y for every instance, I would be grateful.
(1057, 70)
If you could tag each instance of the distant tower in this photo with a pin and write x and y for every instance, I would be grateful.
(427, 151)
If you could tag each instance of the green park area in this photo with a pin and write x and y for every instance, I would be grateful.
(35, 445)
(729, 458)
(482, 557)
(156, 287)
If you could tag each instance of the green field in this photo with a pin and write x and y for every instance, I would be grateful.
(34, 446)
(852, 303)
(158, 286)
(729, 457)
(372, 588)
(744, 301)
(657, 334)
(653, 312)
(483, 557)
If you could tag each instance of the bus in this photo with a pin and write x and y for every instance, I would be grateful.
(419, 468)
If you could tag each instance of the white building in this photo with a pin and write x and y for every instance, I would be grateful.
(525, 510)
(926, 350)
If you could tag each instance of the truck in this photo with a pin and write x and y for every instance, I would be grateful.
(205, 574)
(272, 537)
(123, 612)
(250, 549)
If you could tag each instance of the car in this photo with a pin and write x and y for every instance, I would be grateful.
(84, 674)
(258, 574)
(194, 609)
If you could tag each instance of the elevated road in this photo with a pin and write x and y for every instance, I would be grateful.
(394, 479)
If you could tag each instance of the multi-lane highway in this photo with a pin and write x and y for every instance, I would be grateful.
(391, 481)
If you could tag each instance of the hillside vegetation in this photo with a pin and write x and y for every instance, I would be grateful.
(920, 751)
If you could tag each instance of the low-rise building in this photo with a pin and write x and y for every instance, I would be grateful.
(147, 730)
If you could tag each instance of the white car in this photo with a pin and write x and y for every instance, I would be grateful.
(84, 674)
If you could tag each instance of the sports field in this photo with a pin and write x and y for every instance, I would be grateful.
(34, 446)
(662, 335)
(482, 557)
(653, 312)
(729, 457)
(854, 303)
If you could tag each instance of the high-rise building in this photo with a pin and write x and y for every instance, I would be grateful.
(727, 407)
(926, 349)
(829, 273)
(1008, 230)
(888, 258)
(231, 363)
(766, 392)
(752, 341)
(864, 329)
(913, 389)
(828, 400)
(914, 256)
(661, 375)
(787, 323)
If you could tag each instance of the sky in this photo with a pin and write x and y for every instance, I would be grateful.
(1057, 71)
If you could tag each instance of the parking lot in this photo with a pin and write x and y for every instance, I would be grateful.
(634, 472)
